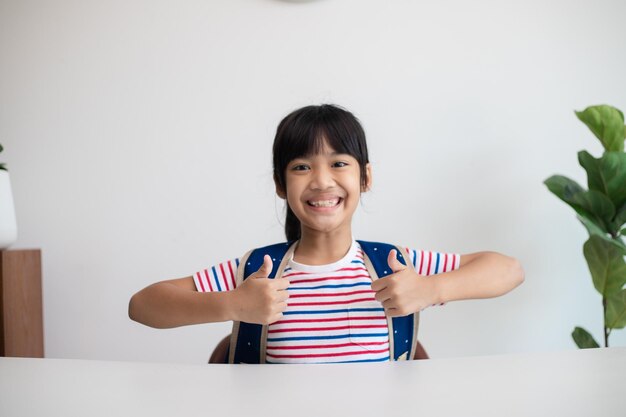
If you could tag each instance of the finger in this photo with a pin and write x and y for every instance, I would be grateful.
(280, 284)
(282, 296)
(383, 295)
(379, 284)
(265, 269)
(276, 318)
(393, 262)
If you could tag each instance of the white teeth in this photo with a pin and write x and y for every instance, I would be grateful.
(324, 203)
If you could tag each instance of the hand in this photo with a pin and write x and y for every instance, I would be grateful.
(404, 292)
(259, 299)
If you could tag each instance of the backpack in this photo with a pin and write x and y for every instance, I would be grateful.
(248, 340)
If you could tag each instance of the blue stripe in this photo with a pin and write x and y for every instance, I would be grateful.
(414, 259)
(360, 360)
(364, 360)
(332, 311)
(217, 281)
(339, 336)
(237, 262)
(437, 263)
(358, 284)
(356, 261)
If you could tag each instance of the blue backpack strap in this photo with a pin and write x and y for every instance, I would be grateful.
(247, 338)
(404, 328)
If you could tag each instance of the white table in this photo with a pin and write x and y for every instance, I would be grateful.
(573, 383)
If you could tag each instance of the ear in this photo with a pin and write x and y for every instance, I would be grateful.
(279, 190)
(368, 180)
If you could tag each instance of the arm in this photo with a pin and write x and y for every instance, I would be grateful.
(480, 275)
(176, 302)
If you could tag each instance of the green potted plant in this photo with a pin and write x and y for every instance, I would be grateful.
(602, 210)
(8, 226)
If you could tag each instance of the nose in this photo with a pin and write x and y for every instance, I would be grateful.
(322, 179)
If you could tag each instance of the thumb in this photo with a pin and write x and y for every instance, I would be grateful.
(394, 263)
(265, 269)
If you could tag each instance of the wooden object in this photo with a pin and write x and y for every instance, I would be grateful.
(21, 311)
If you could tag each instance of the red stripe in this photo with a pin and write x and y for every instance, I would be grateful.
(321, 329)
(291, 274)
(331, 295)
(445, 261)
(333, 319)
(224, 277)
(325, 355)
(430, 258)
(208, 279)
(232, 276)
(323, 346)
(296, 281)
(359, 268)
(199, 277)
(328, 303)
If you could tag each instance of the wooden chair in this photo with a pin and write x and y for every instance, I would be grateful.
(220, 353)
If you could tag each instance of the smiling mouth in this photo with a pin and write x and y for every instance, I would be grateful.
(325, 203)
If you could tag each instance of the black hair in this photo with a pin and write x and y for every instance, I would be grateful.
(304, 132)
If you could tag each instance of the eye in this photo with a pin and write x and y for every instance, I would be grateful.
(340, 164)
(300, 167)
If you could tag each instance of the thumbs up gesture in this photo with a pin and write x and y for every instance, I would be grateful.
(260, 299)
(404, 291)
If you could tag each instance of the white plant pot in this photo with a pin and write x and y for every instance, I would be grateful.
(8, 225)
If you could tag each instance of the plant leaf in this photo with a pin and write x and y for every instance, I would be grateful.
(620, 217)
(594, 230)
(606, 264)
(613, 173)
(586, 203)
(606, 174)
(596, 203)
(583, 339)
(607, 123)
(615, 317)
(592, 166)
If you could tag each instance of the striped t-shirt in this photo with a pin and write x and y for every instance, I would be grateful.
(332, 315)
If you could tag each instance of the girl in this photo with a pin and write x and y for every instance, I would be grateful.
(328, 303)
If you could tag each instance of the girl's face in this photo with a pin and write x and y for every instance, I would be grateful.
(323, 190)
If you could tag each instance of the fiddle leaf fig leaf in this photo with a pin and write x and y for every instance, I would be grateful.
(615, 317)
(593, 229)
(592, 205)
(592, 166)
(583, 339)
(607, 123)
(606, 175)
(596, 203)
(613, 173)
(620, 216)
(606, 264)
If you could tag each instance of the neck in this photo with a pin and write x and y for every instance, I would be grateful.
(318, 248)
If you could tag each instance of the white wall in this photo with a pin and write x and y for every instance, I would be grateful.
(138, 137)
